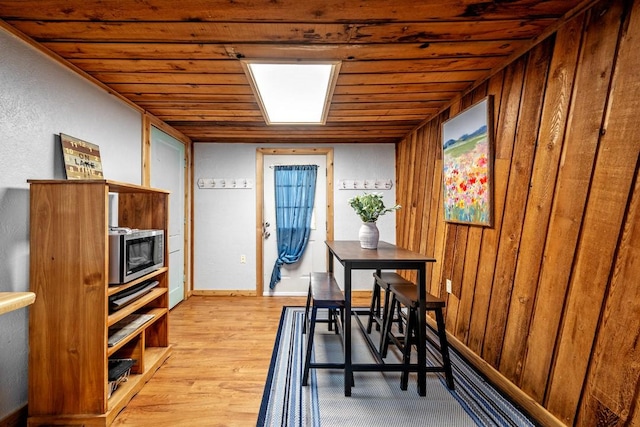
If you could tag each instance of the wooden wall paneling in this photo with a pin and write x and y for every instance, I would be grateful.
(611, 391)
(468, 284)
(581, 139)
(462, 232)
(456, 244)
(401, 191)
(408, 184)
(543, 180)
(605, 209)
(505, 130)
(411, 232)
(432, 185)
(402, 156)
(474, 244)
(438, 226)
(450, 230)
(407, 173)
(430, 142)
(422, 153)
(516, 199)
(425, 145)
(464, 276)
(409, 206)
(401, 149)
(457, 268)
(413, 168)
(432, 217)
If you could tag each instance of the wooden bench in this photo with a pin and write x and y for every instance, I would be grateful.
(324, 292)
(406, 294)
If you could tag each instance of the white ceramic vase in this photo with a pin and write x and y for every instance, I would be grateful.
(369, 235)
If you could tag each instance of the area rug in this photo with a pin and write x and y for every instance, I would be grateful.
(376, 398)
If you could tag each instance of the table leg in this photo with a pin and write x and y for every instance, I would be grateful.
(348, 370)
(422, 330)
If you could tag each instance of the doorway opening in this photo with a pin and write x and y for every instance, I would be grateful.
(266, 157)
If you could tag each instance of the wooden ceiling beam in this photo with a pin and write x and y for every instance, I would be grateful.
(298, 32)
(195, 105)
(316, 11)
(275, 139)
(232, 67)
(437, 90)
(343, 79)
(232, 51)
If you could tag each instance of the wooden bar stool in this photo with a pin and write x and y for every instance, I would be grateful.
(407, 295)
(324, 292)
(378, 310)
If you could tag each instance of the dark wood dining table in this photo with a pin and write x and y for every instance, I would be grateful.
(386, 257)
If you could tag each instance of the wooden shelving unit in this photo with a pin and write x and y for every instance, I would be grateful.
(69, 321)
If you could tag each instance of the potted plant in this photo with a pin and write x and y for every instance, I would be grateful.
(369, 207)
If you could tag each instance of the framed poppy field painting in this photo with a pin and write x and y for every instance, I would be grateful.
(467, 159)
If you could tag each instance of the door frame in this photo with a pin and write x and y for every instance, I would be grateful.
(260, 153)
(148, 121)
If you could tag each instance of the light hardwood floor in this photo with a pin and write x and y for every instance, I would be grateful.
(215, 377)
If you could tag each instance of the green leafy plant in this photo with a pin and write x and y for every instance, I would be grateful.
(370, 206)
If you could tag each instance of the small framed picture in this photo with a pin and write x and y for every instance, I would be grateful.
(81, 158)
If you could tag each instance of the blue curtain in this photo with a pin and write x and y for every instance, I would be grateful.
(295, 188)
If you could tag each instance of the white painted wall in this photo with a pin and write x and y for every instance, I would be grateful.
(224, 220)
(362, 162)
(39, 99)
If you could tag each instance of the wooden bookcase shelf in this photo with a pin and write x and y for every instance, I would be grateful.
(114, 289)
(69, 321)
(134, 307)
(158, 314)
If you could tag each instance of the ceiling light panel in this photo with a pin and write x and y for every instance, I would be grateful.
(293, 93)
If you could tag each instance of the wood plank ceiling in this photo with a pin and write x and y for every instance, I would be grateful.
(402, 60)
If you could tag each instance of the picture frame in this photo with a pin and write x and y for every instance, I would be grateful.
(467, 162)
(81, 158)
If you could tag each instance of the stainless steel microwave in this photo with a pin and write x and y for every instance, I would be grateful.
(134, 253)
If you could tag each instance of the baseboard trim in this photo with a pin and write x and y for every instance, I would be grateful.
(533, 408)
(235, 293)
(224, 293)
(16, 419)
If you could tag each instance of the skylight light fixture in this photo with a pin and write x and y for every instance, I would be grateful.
(293, 92)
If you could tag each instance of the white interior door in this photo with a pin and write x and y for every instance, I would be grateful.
(167, 172)
(295, 277)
